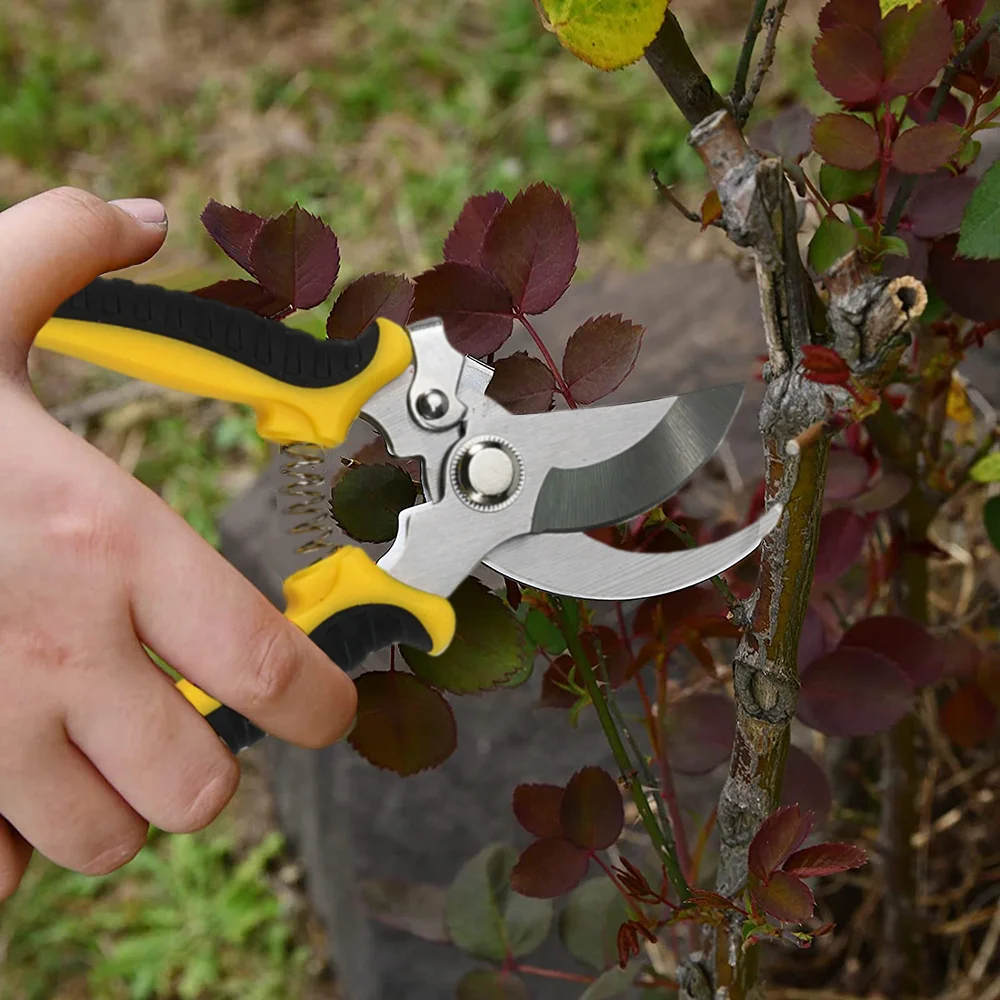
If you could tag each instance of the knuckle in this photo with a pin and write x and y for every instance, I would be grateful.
(275, 666)
(86, 531)
(118, 849)
(209, 797)
(89, 214)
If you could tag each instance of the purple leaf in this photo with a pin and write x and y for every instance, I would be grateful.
(476, 308)
(970, 287)
(845, 141)
(779, 835)
(907, 643)
(853, 692)
(532, 246)
(825, 859)
(232, 229)
(863, 14)
(846, 475)
(365, 299)
(848, 63)
(938, 203)
(549, 868)
(296, 257)
(814, 641)
(464, 244)
(916, 43)
(926, 148)
(788, 134)
(785, 897)
(699, 732)
(842, 535)
(805, 784)
(244, 294)
(600, 355)
(953, 110)
(522, 384)
(915, 264)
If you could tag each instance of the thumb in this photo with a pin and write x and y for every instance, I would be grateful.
(56, 243)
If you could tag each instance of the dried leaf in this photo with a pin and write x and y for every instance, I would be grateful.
(532, 246)
(537, 809)
(295, 256)
(968, 716)
(907, 643)
(699, 732)
(232, 229)
(473, 304)
(590, 920)
(825, 859)
(845, 141)
(853, 692)
(366, 299)
(591, 811)
(785, 897)
(916, 43)
(486, 917)
(488, 649)
(980, 232)
(367, 499)
(806, 785)
(402, 724)
(487, 984)
(464, 244)
(549, 868)
(970, 287)
(779, 836)
(522, 384)
(842, 535)
(249, 295)
(848, 63)
(711, 209)
(832, 240)
(887, 491)
(606, 34)
(600, 355)
(414, 907)
(926, 148)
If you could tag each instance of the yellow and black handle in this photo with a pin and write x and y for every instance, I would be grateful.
(301, 389)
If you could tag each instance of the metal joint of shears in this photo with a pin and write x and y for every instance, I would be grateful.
(514, 491)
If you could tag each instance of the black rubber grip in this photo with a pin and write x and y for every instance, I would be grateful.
(349, 637)
(289, 355)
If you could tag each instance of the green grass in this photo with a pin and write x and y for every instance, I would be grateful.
(186, 919)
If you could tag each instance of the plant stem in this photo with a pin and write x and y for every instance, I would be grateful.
(561, 385)
(569, 977)
(672, 60)
(614, 739)
(746, 52)
(776, 16)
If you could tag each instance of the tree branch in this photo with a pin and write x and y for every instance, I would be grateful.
(776, 15)
(681, 74)
(739, 90)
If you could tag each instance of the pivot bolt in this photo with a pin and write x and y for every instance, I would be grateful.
(432, 405)
(487, 474)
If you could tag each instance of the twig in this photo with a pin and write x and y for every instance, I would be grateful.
(738, 92)
(937, 103)
(668, 195)
(107, 399)
(776, 15)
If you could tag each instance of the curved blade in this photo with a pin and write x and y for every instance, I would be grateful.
(579, 566)
(636, 479)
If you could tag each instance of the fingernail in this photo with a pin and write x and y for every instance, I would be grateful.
(144, 209)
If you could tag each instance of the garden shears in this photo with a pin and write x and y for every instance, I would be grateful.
(515, 491)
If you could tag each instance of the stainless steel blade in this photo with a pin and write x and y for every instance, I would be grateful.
(576, 565)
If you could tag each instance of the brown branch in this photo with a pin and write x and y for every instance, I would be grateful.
(773, 18)
(680, 73)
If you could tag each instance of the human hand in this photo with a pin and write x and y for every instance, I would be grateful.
(95, 741)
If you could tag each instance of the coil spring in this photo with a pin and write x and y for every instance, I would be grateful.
(311, 492)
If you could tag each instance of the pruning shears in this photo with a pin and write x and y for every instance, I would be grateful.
(514, 491)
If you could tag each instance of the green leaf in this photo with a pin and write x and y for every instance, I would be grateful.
(839, 185)
(987, 469)
(487, 984)
(979, 235)
(831, 241)
(544, 632)
(367, 499)
(588, 926)
(485, 917)
(489, 648)
(607, 34)
(991, 518)
(893, 245)
(612, 983)
(968, 154)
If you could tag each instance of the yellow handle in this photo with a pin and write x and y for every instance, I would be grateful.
(349, 608)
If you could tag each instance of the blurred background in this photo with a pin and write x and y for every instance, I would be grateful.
(381, 117)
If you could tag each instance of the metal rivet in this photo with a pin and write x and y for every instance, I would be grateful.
(432, 405)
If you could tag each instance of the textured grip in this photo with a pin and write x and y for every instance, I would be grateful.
(348, 637)
(291, 356)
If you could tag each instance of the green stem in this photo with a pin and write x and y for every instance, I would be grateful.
(746, 52)
(621, 756)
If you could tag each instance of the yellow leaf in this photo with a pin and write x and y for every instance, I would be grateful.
(888, 5)
(958, 408)
(607, 34)
(711, 209)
